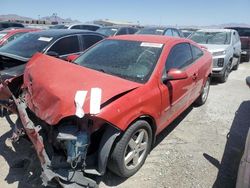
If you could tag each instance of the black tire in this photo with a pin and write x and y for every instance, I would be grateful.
(247, 58)
(235, 67)
(226, 73)
(117, 159)
(204, 93)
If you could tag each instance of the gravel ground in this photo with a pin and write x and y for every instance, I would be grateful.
(202, 148)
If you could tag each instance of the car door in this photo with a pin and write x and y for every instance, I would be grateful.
(65, 46)
(176, 93)
(200, 69)
(236, 46)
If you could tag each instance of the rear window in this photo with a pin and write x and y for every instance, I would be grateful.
(151, 31)
(107, 31)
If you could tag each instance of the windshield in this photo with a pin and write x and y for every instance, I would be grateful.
(2, 35)
(27, 45)
(130, 60)
(211, 37)
(107, 31)
(151, 31)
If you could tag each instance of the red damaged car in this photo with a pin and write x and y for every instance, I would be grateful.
(106, 109)
(8, 35)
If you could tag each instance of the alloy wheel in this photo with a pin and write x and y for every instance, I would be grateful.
(136, 149)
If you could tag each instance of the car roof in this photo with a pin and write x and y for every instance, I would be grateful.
(63, 32)
(70, 25)
(216, 30)
(160, 27)
(149, 38)
(118, 26)
(237, 27)
(18, 30)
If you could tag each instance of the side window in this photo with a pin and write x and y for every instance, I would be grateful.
(122, 31)
(132, 30)
(197, 53)
(175, 33)
(179, 57)
(89, 40)
(76, 27)
(89, 27)
(168, 32)
(67, 45)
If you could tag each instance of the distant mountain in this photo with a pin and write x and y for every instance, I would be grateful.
(52, 18)
(14, 17)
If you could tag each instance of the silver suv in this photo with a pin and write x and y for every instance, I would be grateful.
(224, 45)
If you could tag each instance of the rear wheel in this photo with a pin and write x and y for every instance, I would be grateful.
(131, 150)
(204, 94)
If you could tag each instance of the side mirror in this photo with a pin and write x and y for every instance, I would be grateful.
(175, 74)
(72, 58)
(53, 54)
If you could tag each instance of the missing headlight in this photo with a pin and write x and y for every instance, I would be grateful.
(76, 143)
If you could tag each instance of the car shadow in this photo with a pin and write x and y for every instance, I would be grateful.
(23, 169)
(113, 180)
(26, 170)
(228, 167)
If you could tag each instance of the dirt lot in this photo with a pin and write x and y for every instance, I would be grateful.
(202, 148)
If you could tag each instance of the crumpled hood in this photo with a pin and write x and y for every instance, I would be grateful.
(51, 85)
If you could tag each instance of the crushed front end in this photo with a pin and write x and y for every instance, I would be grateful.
(70, 150)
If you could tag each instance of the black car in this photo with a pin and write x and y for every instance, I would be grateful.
(168, 31)
(58, 43)
(4, 25)
(116, 30)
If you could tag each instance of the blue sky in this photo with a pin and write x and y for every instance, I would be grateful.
(161, 12)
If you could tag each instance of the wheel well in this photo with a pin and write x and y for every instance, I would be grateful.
(152, 124)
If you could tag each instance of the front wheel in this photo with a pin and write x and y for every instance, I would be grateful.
(226, 73)
(235, 67)
(204, 93)
(131, 150)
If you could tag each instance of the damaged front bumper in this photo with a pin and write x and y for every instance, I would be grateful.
(66, 175)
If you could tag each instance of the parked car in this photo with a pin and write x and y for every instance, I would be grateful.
(225, 46)
(108, 107)
(4, 25)
(90, 27)
(116, 30)
(244, 33)
(59, 43)
(168, 31)
(9, 35)
(188, 31)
